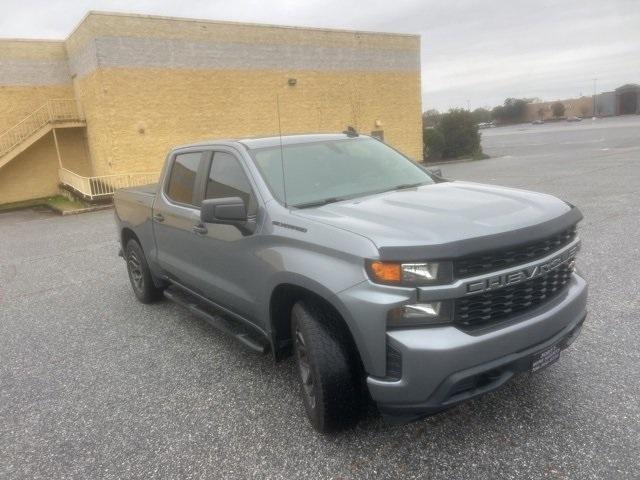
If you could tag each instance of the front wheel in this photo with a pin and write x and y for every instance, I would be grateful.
(326, 367)
(140, 274)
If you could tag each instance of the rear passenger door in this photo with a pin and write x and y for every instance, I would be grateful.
(175, 211)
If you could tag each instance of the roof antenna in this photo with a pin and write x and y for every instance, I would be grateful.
(284, 187)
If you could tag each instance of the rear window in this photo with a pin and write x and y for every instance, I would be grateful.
(182, 180)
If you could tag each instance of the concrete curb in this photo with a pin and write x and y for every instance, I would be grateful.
(78, 211)
(453, 162)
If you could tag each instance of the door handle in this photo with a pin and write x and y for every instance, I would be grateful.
(158, 217)
(200, 229)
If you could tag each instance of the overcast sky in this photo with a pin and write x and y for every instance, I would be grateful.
(473, 53)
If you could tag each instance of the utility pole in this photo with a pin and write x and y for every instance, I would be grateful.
(595, 80)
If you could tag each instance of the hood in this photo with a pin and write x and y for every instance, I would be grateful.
(439, 213)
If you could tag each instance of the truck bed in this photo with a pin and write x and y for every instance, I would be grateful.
(134, 208)
(149, 189)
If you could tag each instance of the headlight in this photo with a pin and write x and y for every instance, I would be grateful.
(410, 274)
(420, 314)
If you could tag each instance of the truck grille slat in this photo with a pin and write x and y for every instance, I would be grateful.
(496, 305)
(505, 258)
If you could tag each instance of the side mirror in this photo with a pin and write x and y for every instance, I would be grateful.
(231, 210)
(435, 171)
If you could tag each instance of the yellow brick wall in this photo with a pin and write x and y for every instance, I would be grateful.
(31, 73)
(135, 115)
(137, 111)
(106, 24)
(89, 93)
(32, 174)
(74, 150)
(16, 102)
(22, 94)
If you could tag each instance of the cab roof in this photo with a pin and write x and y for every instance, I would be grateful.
(274, 141)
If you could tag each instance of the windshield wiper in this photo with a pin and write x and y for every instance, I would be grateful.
(405, 185)
(409, 185)
(319, 203)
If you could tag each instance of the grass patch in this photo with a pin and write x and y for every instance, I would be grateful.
(63, 204)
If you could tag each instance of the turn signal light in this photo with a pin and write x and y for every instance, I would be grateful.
(388, 272)
(410, 274)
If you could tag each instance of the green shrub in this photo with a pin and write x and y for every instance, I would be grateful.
(481, 115)
(460, 132)
(455, 136)
(433, 142)
(558, 109)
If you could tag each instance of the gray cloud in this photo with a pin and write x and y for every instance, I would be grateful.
(472, 52)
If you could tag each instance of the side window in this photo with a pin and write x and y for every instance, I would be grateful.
(227, 179)
(182, 180)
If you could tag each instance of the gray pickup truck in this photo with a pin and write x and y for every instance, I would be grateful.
(385, 281)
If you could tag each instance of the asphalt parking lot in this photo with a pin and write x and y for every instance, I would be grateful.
(96, 385)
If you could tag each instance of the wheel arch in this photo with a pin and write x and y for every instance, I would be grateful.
(128, 234)
(282, 299)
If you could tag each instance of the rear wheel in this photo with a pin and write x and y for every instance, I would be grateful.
(140, 274)
(329, 377)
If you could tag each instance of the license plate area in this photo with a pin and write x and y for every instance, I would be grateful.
(545, 358)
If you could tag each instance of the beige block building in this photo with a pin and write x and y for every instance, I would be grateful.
(102, 108)
(573, 107)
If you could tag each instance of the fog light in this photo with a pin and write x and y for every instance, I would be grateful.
(420, 314)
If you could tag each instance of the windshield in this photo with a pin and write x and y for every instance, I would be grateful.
(321, 172)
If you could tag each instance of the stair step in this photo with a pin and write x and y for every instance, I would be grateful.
(231, 327)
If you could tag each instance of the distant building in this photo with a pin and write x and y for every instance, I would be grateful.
(100, 109)
(622, 101)
(606, 104)
(627, 99)
(573, 107)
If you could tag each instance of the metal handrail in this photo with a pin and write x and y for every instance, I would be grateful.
(55, 110)
(103, 186)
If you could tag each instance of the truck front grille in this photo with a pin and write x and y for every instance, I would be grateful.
(496, 305)
(505, 258)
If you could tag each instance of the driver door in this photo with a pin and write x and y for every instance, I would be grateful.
(226, 257)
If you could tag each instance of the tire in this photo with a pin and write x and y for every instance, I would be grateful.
(139, 274)
(328, 371)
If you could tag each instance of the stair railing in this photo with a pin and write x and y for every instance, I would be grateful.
(104, 186)
(55, 110)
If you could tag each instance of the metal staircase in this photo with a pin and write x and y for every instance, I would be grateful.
(58, 113)
(63, 113)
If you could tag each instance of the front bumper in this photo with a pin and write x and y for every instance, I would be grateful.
(442, 366)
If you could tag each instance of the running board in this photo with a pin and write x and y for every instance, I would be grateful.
(232, 328)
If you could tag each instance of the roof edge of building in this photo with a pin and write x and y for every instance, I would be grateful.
(33, 40)
(232, 22)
